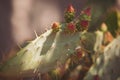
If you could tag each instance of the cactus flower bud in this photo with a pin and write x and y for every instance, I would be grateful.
(55, 26)
(84, 23)
(84, 19)
(70, 9)
(71, 27)
(96, 77)
(69, 14)
(87, 11)
(79, 52)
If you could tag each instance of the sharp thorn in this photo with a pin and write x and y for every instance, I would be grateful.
(19, 46)
(35, 33)
(46, 29)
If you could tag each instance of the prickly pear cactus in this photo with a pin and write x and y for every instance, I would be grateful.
(107, 65)
(46, 51)
(43, 53)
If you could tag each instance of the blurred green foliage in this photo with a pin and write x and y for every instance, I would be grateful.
(111, 21)
(100, 14)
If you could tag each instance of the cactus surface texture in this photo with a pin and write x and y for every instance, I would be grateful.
(43, 53)
(107, 64)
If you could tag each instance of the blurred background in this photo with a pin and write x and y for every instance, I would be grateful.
(19, 19)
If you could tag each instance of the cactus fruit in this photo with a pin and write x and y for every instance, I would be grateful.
(87, 11)
(55, 26)
(69, 14)
(71, 27)
(84, 19)
(70, 9)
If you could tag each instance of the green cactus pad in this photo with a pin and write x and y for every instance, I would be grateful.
(42, 53)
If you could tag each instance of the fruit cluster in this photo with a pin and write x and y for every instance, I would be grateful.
(79, 25)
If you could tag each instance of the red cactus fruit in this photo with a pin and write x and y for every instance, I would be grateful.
(79, 54)
(55, 26)
(70, 9)
(87, 11)
(84, 23)
(71, 27)
(96, 77)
